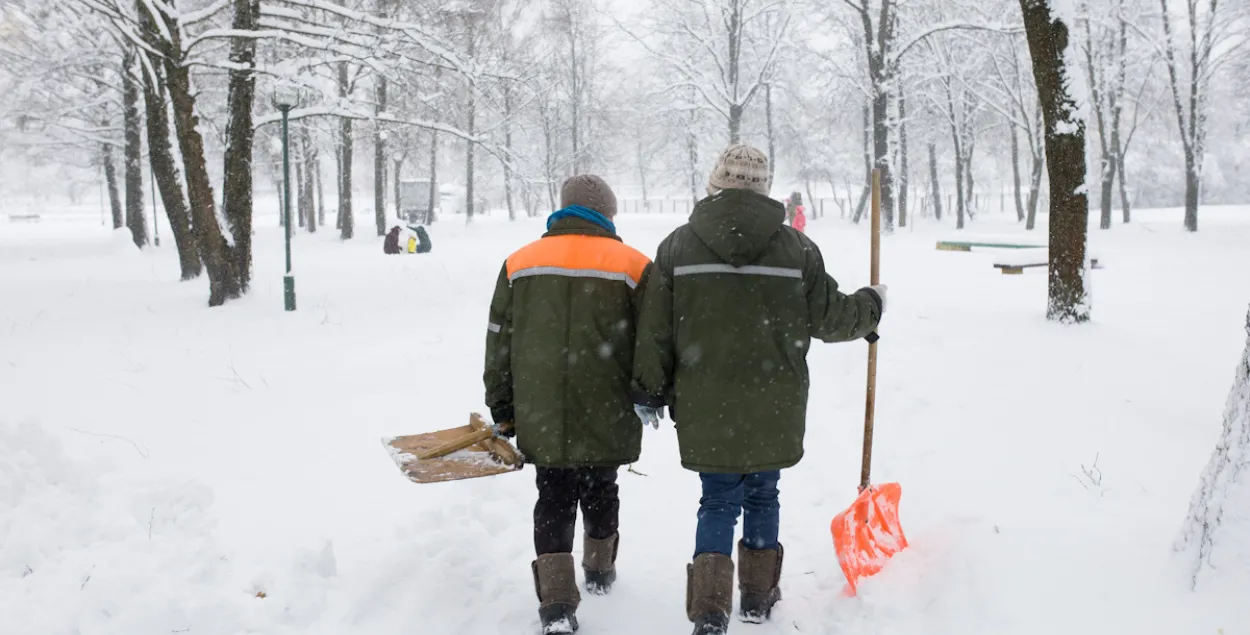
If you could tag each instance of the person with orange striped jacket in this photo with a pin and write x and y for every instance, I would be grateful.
(559, 362)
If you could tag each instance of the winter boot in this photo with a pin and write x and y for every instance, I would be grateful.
(599, 563)
(555, 581)
(709, 593)
(759, 574)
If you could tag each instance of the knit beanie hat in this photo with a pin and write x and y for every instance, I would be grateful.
(740, 167)
(590, 191)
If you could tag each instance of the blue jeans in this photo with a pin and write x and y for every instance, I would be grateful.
(725, 496)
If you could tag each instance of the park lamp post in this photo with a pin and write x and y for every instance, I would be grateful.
(286, 98)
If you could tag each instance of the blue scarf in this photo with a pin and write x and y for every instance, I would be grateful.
(584, 213)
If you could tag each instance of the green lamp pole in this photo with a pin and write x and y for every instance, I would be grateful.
(288, 281)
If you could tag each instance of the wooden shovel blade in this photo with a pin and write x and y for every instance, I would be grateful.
(867, 533)
(421, 456)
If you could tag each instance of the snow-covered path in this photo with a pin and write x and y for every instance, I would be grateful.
(162, 463)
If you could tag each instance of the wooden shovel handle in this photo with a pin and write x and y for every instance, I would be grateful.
(871, 399)
(456, 445)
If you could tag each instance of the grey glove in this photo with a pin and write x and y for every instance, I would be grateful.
(648, 415)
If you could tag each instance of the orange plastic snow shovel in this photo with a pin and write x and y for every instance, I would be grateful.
(867, 533)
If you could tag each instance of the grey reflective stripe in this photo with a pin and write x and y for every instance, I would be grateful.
(494, 328)
(573, 273)
(747, 270)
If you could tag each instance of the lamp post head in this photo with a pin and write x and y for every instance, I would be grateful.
(286, 97)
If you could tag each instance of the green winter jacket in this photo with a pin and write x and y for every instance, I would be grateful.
(560, 346)
(727, 319)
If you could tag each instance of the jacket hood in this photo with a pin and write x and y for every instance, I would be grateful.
(737, 224)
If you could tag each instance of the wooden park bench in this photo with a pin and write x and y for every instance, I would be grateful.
(1015, 269)
(959, 245)
(23, 218)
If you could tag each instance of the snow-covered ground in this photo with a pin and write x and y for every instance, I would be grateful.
(162, 464)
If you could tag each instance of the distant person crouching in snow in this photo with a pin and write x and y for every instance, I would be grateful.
(727, 319)
(559, 358)
(418, 240)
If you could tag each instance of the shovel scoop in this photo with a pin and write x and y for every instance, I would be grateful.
(867, 533)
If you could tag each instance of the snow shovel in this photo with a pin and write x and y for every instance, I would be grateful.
(867, 533)
(471, 451)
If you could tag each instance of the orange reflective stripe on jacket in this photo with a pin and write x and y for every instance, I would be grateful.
(579, 256)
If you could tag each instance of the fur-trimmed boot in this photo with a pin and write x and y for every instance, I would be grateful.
(555, 581)
(709, 593)
(759, 577)
(599, 563)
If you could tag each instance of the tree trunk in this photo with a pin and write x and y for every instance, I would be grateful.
(735, 124)
(863, 197)
(934, 184)
(223, 281)
(300, 201)
(903, 175)
(347, 222)
(642, 175)
(433, 175)
(1211, 537)
(1124, 200)
(772, 147)
(399, 166)
(135, 219)
(238, 156)
(507, 143)
(379, 163)
(692, 162)
(321, 195)
(960, 192)
(1015, 173)
(160, 151)
(110, 178)
(1035, 188)
(881, 154)
(469, 164)
(310, 164)
(971, 198)
(1065, 157)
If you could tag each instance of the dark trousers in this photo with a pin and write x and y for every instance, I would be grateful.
(560, 491)
(725, 497)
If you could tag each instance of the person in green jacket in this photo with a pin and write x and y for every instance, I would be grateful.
(727, 319)
(559, 361)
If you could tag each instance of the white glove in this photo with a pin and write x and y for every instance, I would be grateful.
(880, 290)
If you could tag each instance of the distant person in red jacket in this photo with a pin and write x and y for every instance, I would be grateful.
(800, 219)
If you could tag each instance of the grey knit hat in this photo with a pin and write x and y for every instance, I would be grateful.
(590, 191)
(740, 167)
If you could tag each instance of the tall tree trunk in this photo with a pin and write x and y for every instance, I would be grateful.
(297, 161)
(507, 143)
(110, 178)
(160, 151)
(135, 219)
(772, 147)
(1124, 200)
(960, 202)
(1035, 189)
(310, 164)
(863, 197)
(469, 163)
(347, 222)
(379, 163)
(903, 175)
(399, 166)
(1015, 173)
(433, 174)
(321, 195)
(238, 169)
(735, 124)
(642, 175)
(971, 198)
(223, 280)
(1065, 157)
(1192, 127)
(934, 184)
